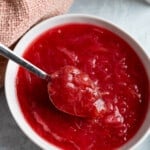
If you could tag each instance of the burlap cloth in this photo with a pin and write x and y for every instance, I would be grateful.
(17, 16)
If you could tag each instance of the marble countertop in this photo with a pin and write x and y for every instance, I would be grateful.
(131, 15)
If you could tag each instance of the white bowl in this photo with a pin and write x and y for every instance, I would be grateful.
(12, 68)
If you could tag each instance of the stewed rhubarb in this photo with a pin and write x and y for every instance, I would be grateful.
(118, 79)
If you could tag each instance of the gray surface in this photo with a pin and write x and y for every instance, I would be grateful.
(131, 15)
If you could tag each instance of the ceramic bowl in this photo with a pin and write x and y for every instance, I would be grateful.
(10, 78)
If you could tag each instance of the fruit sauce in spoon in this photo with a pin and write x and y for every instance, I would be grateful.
(78, 95)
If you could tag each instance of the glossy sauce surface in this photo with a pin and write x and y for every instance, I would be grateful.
(113, 66)
(73, 92)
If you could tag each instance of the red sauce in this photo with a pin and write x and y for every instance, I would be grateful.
(114, 67)
(73, 92)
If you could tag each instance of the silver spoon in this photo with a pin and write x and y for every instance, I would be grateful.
(96, 107)
(6, 52)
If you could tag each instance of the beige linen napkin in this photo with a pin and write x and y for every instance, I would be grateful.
(17, 16)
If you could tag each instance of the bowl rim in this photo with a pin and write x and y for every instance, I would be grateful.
(19, 117)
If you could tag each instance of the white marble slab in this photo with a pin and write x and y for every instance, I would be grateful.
(131, 15)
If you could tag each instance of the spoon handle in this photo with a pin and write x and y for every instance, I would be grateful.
(6, 52)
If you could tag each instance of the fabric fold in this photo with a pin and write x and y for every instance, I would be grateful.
(16, 17)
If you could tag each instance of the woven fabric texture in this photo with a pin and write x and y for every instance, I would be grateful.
(18, 16)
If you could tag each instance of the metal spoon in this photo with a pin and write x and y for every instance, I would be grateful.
(6, 52)
(96, 105)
